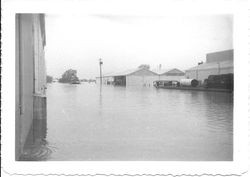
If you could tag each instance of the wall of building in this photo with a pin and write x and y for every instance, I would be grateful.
(39, 61)
(201, 75)
(141, 78)
(24, 61)
(17, 90)
(105, 80)
(217, 63)
(220, 56)
(172, 74)
(30, 75)
(39, 97)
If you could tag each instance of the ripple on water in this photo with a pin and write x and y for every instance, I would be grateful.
(37, 152)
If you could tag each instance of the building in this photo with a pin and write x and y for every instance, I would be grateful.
(133, 77)
(30, 78)
(216, 63)
(173, 74)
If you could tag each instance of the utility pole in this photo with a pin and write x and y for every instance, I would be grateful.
(100, 63)
(218, 67)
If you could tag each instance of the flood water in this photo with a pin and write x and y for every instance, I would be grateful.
(86, 122)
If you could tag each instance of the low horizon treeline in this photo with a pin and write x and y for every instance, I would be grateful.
(68, 76)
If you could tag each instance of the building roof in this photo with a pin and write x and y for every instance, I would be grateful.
(125, 72)
(164, 71)
(204, 66)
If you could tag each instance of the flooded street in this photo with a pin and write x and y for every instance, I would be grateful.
(86, 122)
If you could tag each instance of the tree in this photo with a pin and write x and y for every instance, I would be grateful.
(144, 66)
(69, 76)
(49, 79)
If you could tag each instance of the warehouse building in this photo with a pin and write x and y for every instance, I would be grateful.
(173, 74)
(134, 77)
(216, 63)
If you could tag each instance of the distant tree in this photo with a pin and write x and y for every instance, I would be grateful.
(49, 79)
(144, 66)
(69, 76)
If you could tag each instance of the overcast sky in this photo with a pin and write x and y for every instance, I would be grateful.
(126, 41)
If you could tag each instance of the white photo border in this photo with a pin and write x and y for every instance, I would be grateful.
(238, 167)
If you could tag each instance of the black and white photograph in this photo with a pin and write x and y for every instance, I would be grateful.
(126, 85)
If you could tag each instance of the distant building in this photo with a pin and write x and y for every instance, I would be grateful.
(170, 74)
(216, 63)
(30, 77)
(134, 77)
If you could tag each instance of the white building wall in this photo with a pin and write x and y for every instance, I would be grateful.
(146, 81)
(30, 76)
(134, 80)
(25, 80)
(201, 75)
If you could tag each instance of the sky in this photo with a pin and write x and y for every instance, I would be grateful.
(77, 41)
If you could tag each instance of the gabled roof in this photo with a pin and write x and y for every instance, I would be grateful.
(126, 72)
(164, 71)
(204, 66)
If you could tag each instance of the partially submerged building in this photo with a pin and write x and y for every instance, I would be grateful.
(173, 74)
(133, 77)
(217, 63)
(30, 78)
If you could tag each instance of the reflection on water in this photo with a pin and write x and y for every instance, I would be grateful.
(86, 122)
(36, 147)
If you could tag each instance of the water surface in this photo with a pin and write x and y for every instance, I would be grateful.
(86, 122)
